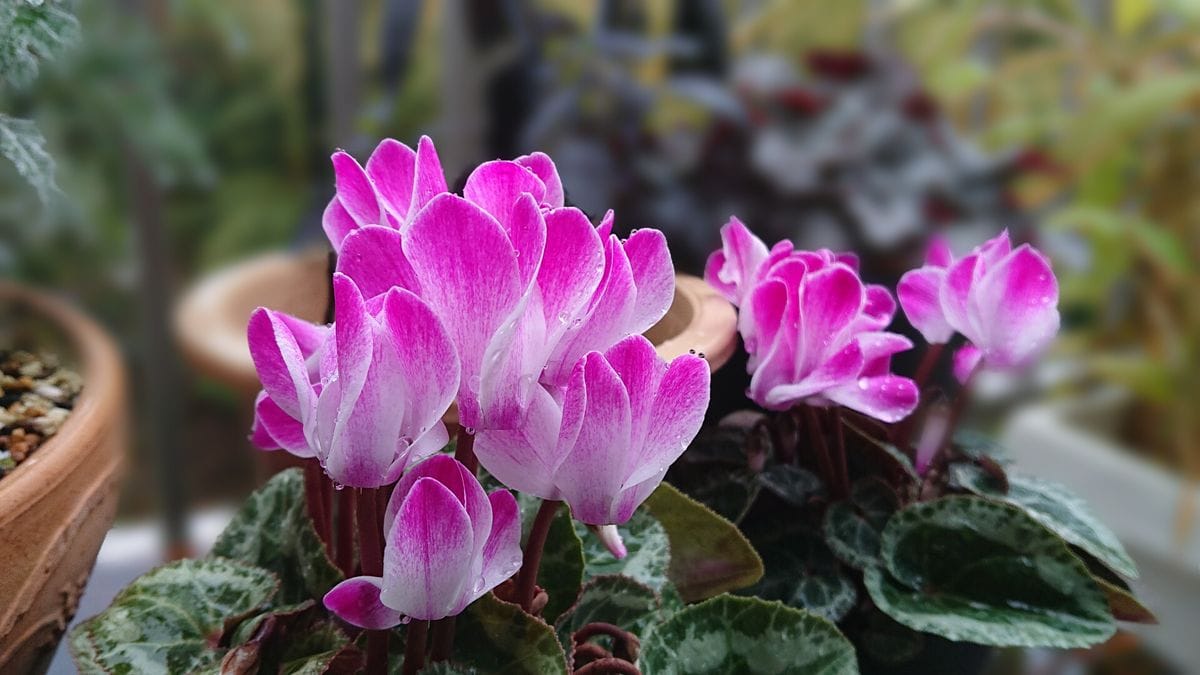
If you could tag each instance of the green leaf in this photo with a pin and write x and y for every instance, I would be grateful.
(272, 530)
(708, 553)
(498, 637)
(30, 32)
(561, 571)
(730, 491)
(648, 549)
(23, 145)
(730, 634)
(1054, 506)
(1121, 600)
(170, 619)
(802, 572)
(853, 527)
(791, 483)
(618, 600)
(318, 649)
(975, 570)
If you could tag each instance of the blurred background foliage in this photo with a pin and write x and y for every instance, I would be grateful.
(1073, 122)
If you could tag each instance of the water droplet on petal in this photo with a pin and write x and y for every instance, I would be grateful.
(863, 383)
(338, 486)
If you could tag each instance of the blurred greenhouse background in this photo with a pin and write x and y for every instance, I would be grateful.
(164, 140)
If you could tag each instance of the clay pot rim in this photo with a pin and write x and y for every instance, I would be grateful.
(711, 324)
(100, 399)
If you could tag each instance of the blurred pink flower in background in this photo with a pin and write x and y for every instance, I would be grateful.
(446, 544)
(1003, 300)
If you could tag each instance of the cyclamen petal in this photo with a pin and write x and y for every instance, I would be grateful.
(733, 269)
(392, 169)
(356, 601)
(355, 191)
(470, 278)
(1022, 289)
(543, 167)
(373, 257)
(919, 296)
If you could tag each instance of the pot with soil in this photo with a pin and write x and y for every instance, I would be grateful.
(61, 453)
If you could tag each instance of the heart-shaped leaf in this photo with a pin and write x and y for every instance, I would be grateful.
(729, 634)
(561, 571)
(272, 530)
(648, 551)
(1055, 507)
(976, 570)
(791, 483)
(499, 637)
(708, 553)
(801, 571)
(853, 527)
(618, 600)
(171, 619)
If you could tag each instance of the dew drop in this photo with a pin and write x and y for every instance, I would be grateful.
(338, 486)
(863, 383)
(691, 351)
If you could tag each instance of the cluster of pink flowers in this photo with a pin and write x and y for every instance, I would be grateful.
(814, 331)
(529, 317)
(514, 306)
(816, 334)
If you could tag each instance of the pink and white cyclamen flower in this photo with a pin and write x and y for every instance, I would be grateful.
(1003, 300)
(625, 416)
(446, 544)
(366, 396)
(814, 331)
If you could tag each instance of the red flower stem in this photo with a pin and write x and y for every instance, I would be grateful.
(904, 430)
(370, 553)
(314, 500)
(608, 666)
(527, 577)
(442, 639)
(464, 450)
(414, 648)
(821, 449)
(835, 414)
(344, 556)
(327, 509)
(928, 361)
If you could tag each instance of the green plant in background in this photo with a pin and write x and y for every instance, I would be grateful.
(1111, 90)
(31, 31)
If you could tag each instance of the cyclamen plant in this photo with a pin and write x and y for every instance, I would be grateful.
(508, 309)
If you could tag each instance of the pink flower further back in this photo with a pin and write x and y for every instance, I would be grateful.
(1003, 300)
(814, 331)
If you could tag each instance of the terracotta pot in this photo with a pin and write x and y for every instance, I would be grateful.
(56, 507)
(210, 322)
